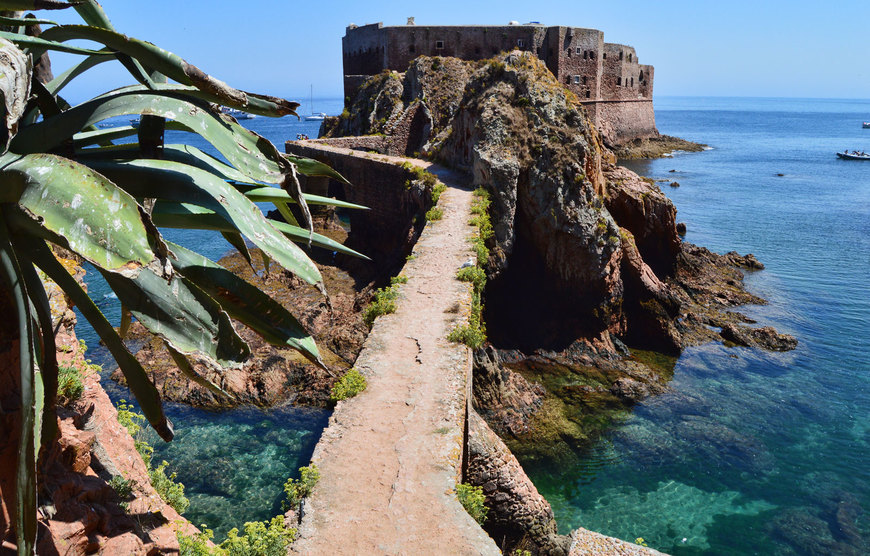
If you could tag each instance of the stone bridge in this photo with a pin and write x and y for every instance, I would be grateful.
(392, 456)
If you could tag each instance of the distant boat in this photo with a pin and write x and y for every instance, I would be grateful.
(236, 113)
(853, 155)
(314, 115)
(135, 122)
(866, 125)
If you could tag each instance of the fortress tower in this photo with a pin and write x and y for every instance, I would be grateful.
(607, 78)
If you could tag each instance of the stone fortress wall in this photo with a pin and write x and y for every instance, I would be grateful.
(607, 78)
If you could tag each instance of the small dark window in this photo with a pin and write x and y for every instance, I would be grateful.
(620, 55)
(587, 94)
(585, 55)
(412, 48)
(640, 77)
(619, 81)
(592, 54)
(577, 50)
(632, 81)
(439, 45)
(521, 43)
(604, 56)
(584, 79)
(629, 57)
(576, 79)
(568, 80)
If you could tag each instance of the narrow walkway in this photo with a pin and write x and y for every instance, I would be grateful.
(391, 457)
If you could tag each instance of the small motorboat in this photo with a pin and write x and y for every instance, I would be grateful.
(236, 113)
(854, 155)
(317, 116)
(135, 122)
(865, 125)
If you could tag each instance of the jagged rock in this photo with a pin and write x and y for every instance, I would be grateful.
(518, 515)
(765, 337)
(681, 229)
(674, 184)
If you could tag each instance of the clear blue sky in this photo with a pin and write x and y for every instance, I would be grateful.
(698, 48)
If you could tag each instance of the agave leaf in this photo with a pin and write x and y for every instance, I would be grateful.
(79, 209)
(187, 370)
(172, 181)
(102, 137)
(26, 21)
(126, 322)
(175, 68)
(22, 5)
(236, 240)
(246, 303)
(310, 167)
(250, 153)
(181, 315)
(62, 80)
(285, 212)
(259, 194)
(187, 216)
(25, 483)
(37, 45)
(48, 352)
(137, 380)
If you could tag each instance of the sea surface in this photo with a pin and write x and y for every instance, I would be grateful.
(753, 452)
(750, 452)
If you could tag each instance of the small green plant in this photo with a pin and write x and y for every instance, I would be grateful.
(473, 500)
(170, 490)
(297, 489)
(473, 274)
(437, 190)
(523, 102)
(122, 487)
(261, 538)
(400, 279)
(383, 304)
(641, 541)
(434, 213)
(69, 384)
(352, 383)
(472, 335)
(197, 544)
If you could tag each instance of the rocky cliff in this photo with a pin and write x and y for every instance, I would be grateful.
(585, 257)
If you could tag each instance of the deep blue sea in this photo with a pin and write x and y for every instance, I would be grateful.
(751, 452)
(754, 452)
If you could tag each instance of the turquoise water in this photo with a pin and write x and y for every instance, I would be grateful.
(234, 463)
(754, 452)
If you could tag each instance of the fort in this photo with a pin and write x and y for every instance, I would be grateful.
(608, 79)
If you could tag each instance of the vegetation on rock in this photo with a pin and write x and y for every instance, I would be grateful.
(352, 383)
(473, 500)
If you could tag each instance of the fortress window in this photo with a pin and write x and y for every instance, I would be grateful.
(629, 57)
(576, 50)
(411, 48)
(521, 43)
(439, 45)
(620, 55)
(576, 79)
(584, 79)
(604, 56)
(587, 94)
(632, 81)
(640, 77)
(618, 81)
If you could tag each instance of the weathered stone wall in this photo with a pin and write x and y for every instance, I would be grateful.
(387, 231)
(620, 122)
(578, 61)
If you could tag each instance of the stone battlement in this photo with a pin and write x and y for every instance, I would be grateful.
(608, 78)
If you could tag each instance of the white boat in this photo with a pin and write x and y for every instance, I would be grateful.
(236, 113)
(315, 116)
(866, 125)
(135, 122)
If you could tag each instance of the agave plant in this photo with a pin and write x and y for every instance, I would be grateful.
(102, 193)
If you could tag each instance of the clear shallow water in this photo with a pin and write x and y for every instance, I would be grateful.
(754, 452)
(233, 464)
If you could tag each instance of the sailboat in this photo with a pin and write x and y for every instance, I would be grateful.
(314, 115)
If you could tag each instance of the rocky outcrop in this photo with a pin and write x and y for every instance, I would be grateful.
(519, 517)
(272, 375)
